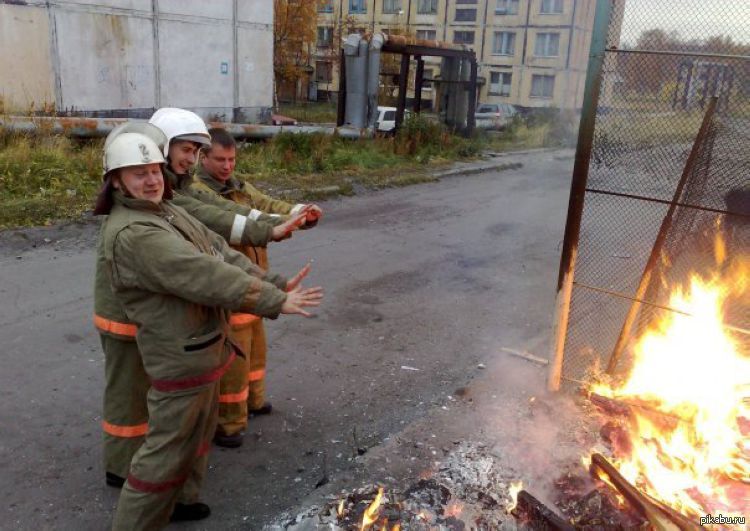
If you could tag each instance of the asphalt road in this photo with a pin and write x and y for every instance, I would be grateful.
(422, 283)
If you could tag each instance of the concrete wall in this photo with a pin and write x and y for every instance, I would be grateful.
(25, 79)
(128, 57)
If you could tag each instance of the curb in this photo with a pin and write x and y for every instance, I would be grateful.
(453, 172)
(450, 172)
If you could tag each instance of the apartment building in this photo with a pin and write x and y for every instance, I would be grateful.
(531, 53)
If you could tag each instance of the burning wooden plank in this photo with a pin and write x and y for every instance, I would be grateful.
(610, 405)
(661, 517)
(624, 408)
(541, 517)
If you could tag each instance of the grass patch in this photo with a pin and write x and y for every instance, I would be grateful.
(636, 131)
(310, 112)
(47, 178)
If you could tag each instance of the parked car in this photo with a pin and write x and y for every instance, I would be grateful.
(494, 115)
(386, 121)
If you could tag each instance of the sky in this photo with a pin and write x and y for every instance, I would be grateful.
(691, 18)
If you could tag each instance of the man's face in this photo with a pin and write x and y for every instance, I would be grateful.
(182, 156)
(220, 162)
(142, 182)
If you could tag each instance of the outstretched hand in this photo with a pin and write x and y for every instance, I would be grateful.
(296, 279)
(313, 212)
(298, 298)
(285, 230)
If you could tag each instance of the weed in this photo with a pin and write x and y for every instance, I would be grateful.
(47, 177)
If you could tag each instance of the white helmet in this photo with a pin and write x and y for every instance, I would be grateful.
(180, 124)
(130, 149)
(121, 154)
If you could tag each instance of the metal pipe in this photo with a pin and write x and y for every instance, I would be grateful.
(100, 127)
(624, 296)
(681, 53)
(373, 78)
(667, 202)
(403, 87)
(661, 238)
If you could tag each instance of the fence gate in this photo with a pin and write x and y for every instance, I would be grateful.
(663, 163)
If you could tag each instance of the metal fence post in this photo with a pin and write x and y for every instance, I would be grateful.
(578, 190)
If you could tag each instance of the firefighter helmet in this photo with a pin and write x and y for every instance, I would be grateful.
(180, 124)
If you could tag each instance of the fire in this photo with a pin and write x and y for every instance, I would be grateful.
(371, 513)
(340, 509)
(513, 491)
(691, 375)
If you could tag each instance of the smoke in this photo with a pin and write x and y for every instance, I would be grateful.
(536, 434)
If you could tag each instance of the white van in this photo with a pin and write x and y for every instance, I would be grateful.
(386, 121)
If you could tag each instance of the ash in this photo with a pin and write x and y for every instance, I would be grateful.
(468, 490)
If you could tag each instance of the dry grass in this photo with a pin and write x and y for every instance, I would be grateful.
(47, 178)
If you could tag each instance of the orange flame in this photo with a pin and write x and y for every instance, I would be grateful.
(692, 371)
(371, 513)
(513, 491)
(340, 510)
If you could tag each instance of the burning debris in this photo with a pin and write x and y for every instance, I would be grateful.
(674, 451)
(468, 490)
(680, 438)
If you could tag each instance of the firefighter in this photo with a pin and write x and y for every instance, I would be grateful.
(186, 133)
(125, 416)
(177, 280)
(243, 386)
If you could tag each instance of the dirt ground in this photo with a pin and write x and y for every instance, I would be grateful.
(425, 286)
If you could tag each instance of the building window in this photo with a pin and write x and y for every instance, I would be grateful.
(391, 6)
(426, 35)
(427, 7)
(542, 86)
(506, 7)
(500, 83)
(466, 1)
(466, 15)
(427, 77)
(325, 6)
(323, 71)
(504, 43)
(551, 7)
(325, 36)
(358, 6)
(463, 37)
(547, 44)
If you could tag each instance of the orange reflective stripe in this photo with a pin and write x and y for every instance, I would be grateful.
(256, 376)
(125, 431)
(234, 397)
(108, 325)
(238, 319)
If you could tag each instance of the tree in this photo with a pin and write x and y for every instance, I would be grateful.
(295, 26)
(650, 74)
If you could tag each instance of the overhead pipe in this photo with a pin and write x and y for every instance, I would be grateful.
(355, 54)
(373, 77)
(100, 127)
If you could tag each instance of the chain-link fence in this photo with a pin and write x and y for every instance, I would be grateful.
(665, 62)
